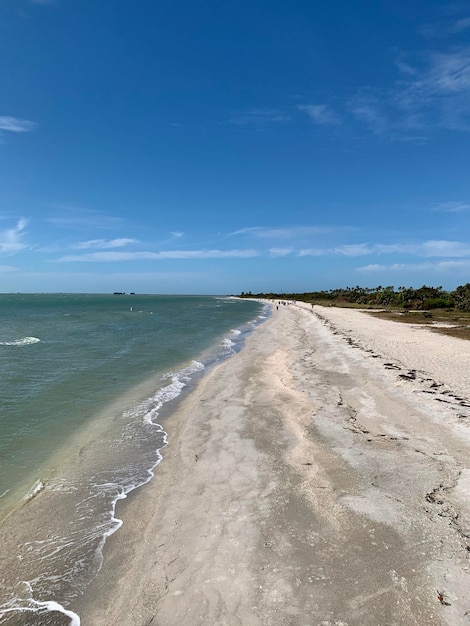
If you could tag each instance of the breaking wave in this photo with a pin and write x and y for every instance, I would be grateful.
(25, 341)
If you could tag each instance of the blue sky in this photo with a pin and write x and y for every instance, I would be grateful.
(227, 145)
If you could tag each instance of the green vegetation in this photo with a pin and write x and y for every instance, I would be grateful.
(406, 298)
(447, 311)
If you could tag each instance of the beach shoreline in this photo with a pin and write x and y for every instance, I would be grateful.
(60, 512)
(318, 476)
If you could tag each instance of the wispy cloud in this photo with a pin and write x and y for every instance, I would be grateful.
(395, 267)
(446, 74)
(177, 234)
(405, 68)
(75, 216)
(259, 117)
(11, 238)
(447, 25)
(432, 248)
(413, 267)
(321, 114)
(158, 256)
(351, 250)
(15, 125)
(431, 92)
(453, 265)
(104, 244)
(7, 268)
(9, 124)
(359, 249)
(452, 207)
(292, 232)
(460, 25)
(246, 231)
(436, 96)
(439, 248)
(280, 252)
(313, 252)
(369, 108)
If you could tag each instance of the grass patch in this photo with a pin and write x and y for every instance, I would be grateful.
(458, 321)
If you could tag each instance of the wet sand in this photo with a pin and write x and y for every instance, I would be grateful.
(318, 477)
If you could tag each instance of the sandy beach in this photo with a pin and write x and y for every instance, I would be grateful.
(319, 477)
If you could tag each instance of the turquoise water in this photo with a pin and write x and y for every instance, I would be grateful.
(84, 381)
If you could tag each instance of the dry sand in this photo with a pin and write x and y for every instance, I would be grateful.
(318, 477)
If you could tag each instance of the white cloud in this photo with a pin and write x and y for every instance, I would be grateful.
(432, 92)
(320, 113)
(405, 68)
(369, 108)
(359, 249)
(460, 25)
(352, 250)
(396, 267)
(294, 232)
(10, 239)
(413, 267)
(280, 252)
(177, 233)
(157, 256)
(15, 125)
(313, 252)
(447, 26)
(452, 207)
(447, 73)
(431, 248)
(451, 265)
(441, 248)
(246, 231)
(73, 216)
(259, 117)
(7, 268)
(105, 243)
(438, 94)
(373, 267)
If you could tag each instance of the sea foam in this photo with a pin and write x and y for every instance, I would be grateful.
(151, 407)
(40, 608)
(25, 341)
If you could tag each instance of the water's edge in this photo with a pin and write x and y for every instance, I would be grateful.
(22, 606)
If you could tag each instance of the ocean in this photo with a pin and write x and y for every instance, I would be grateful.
(86, 384)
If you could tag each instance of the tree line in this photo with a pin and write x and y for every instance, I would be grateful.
(407, 298)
